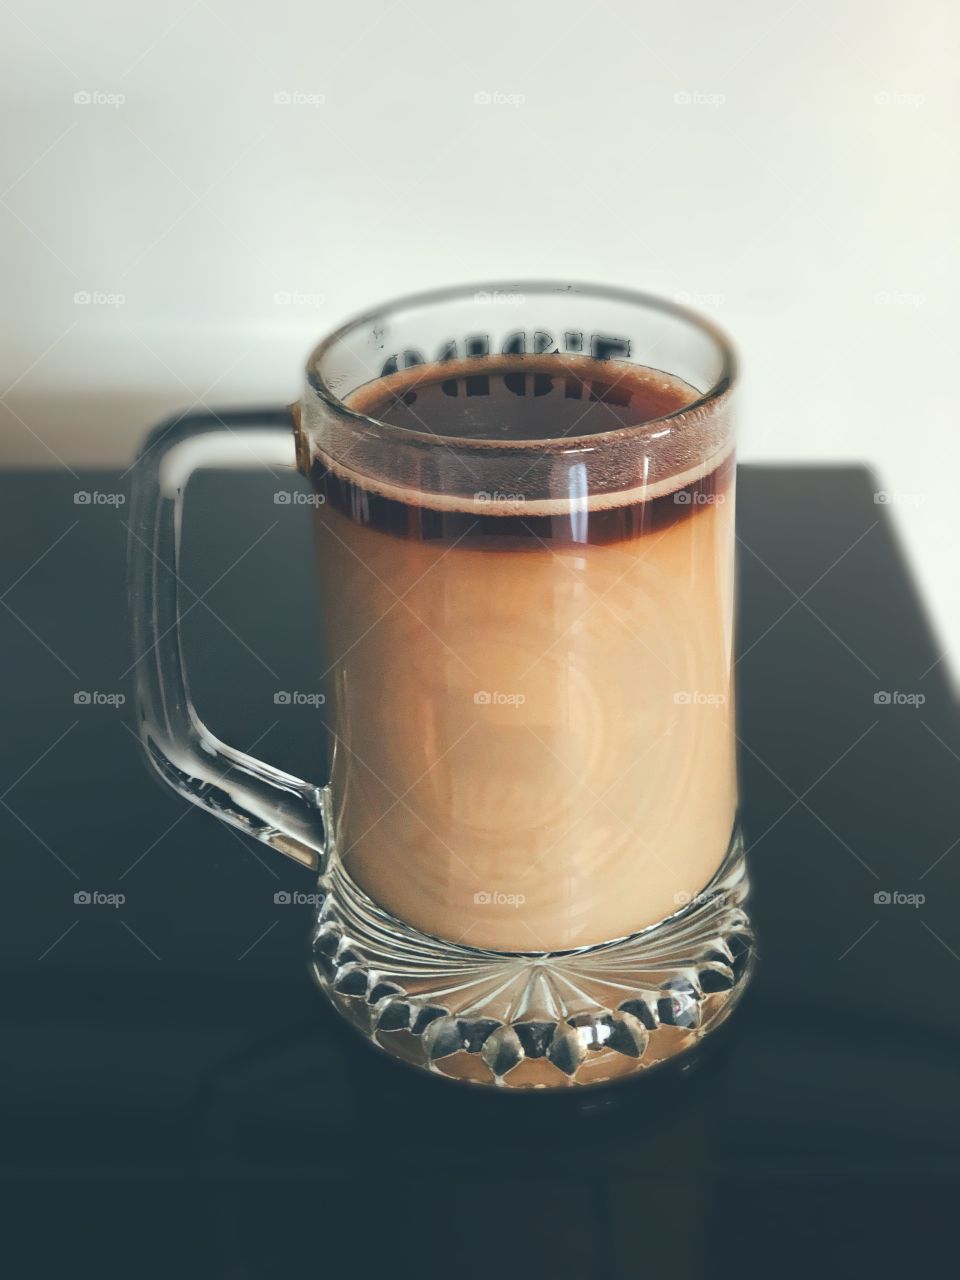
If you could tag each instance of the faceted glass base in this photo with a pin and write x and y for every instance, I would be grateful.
(536, 1020)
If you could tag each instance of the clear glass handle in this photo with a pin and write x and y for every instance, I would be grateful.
(283, 811)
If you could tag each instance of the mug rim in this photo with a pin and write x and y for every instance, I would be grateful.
(721, 387)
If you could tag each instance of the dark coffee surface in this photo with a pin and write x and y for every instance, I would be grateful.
(548, 399)
(179, 1102)
(500, 398)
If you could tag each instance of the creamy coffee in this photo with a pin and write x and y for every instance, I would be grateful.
(531, 695)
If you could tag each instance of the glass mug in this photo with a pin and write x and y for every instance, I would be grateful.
(530, 869)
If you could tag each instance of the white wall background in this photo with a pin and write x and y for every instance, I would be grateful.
(790, 167)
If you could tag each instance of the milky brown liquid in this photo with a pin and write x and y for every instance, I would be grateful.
(532, 700)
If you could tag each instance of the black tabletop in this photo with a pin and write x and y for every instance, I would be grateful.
(178, 1100)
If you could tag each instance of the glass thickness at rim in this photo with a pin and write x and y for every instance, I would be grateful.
(479, 295)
